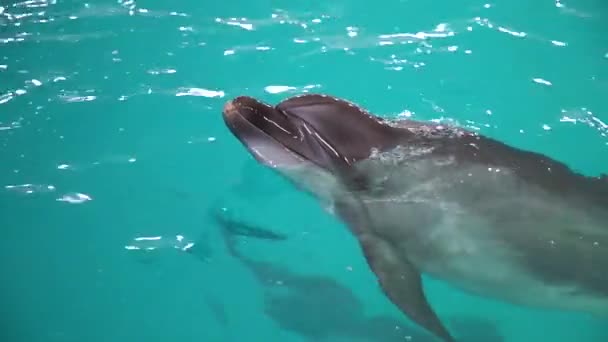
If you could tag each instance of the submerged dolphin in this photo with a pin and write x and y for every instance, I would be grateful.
(326, 310)
(427, 198)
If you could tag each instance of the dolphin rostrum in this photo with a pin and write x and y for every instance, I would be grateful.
(428, 198)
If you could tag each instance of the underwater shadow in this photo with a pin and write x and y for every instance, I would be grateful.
(319, 308)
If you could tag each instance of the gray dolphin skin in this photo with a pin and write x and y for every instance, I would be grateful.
(424, 198)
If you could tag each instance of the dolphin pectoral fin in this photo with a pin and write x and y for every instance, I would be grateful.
(402, 284)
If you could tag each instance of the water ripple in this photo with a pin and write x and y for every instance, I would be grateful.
(75, 96)
(30, 188)
(150, 243)
(4, 98)
(277, 89)
(542, 81)
(162, 71)
(200, 92)
(487, 23)
(28, 84)
(242, 23)
(571, 11)
(130, 5)
(82, 166)
(585, 116)
(74, 198)
(12, 125)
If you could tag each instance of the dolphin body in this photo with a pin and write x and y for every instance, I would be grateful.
(420, 197)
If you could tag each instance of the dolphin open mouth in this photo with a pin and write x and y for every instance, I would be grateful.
(274, 137)
(261, 129)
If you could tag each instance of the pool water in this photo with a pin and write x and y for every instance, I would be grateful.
(114, 158)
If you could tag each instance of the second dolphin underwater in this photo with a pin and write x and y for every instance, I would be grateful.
(428, 198)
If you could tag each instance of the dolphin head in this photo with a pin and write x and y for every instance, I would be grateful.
(310, 130)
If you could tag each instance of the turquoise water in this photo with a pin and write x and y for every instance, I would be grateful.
(113, 155)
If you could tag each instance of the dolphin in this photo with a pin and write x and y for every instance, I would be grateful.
(427, 198)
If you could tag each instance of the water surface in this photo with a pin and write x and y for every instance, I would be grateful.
(111, 137)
